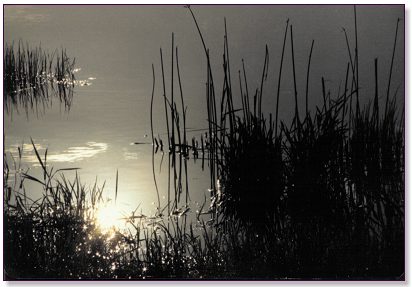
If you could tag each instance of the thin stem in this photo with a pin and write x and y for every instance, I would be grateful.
(280, 76)
(172, 100)
(165, 98)
(356, 61)
(307, 77)
(390, 71)
(153, 147)
(294, 77)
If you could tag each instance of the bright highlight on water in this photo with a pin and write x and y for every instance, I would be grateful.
(228, 142)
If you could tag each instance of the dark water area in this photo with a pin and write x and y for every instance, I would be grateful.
(106, 133)
(116, 45)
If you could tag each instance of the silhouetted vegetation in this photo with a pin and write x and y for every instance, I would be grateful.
(320, 197)
(32, 77)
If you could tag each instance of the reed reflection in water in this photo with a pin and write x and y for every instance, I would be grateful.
(320, 195)
(34, 77)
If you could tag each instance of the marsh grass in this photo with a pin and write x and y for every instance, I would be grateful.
(57, 236)
(33, 77)
(325, 190)
(320, 197)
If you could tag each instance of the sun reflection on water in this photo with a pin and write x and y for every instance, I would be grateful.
(109, 217)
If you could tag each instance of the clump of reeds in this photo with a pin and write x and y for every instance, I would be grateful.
(324, 199)
(251, 195)
(56, 236)
(30, 74)
(327, 185)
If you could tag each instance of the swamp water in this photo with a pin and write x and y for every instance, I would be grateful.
(107, 129)
(114, 47)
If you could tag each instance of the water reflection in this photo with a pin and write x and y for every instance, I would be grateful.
(130, 155)
(34, 77)
(109, 217)
(26, 14)
(71, 154)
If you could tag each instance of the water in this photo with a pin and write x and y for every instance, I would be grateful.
(115, 47)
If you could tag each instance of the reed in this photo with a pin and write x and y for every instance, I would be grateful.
(153, 138)
(317, 180)
(321, 196)
(33, 76)
(307, 77)
(279, 79)
(390, 70)
(57, 236)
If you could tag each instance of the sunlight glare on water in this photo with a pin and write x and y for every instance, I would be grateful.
(109, 217)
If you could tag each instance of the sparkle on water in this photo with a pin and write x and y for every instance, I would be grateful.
(109, 217)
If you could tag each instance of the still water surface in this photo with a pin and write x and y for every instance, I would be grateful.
(115, 47)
